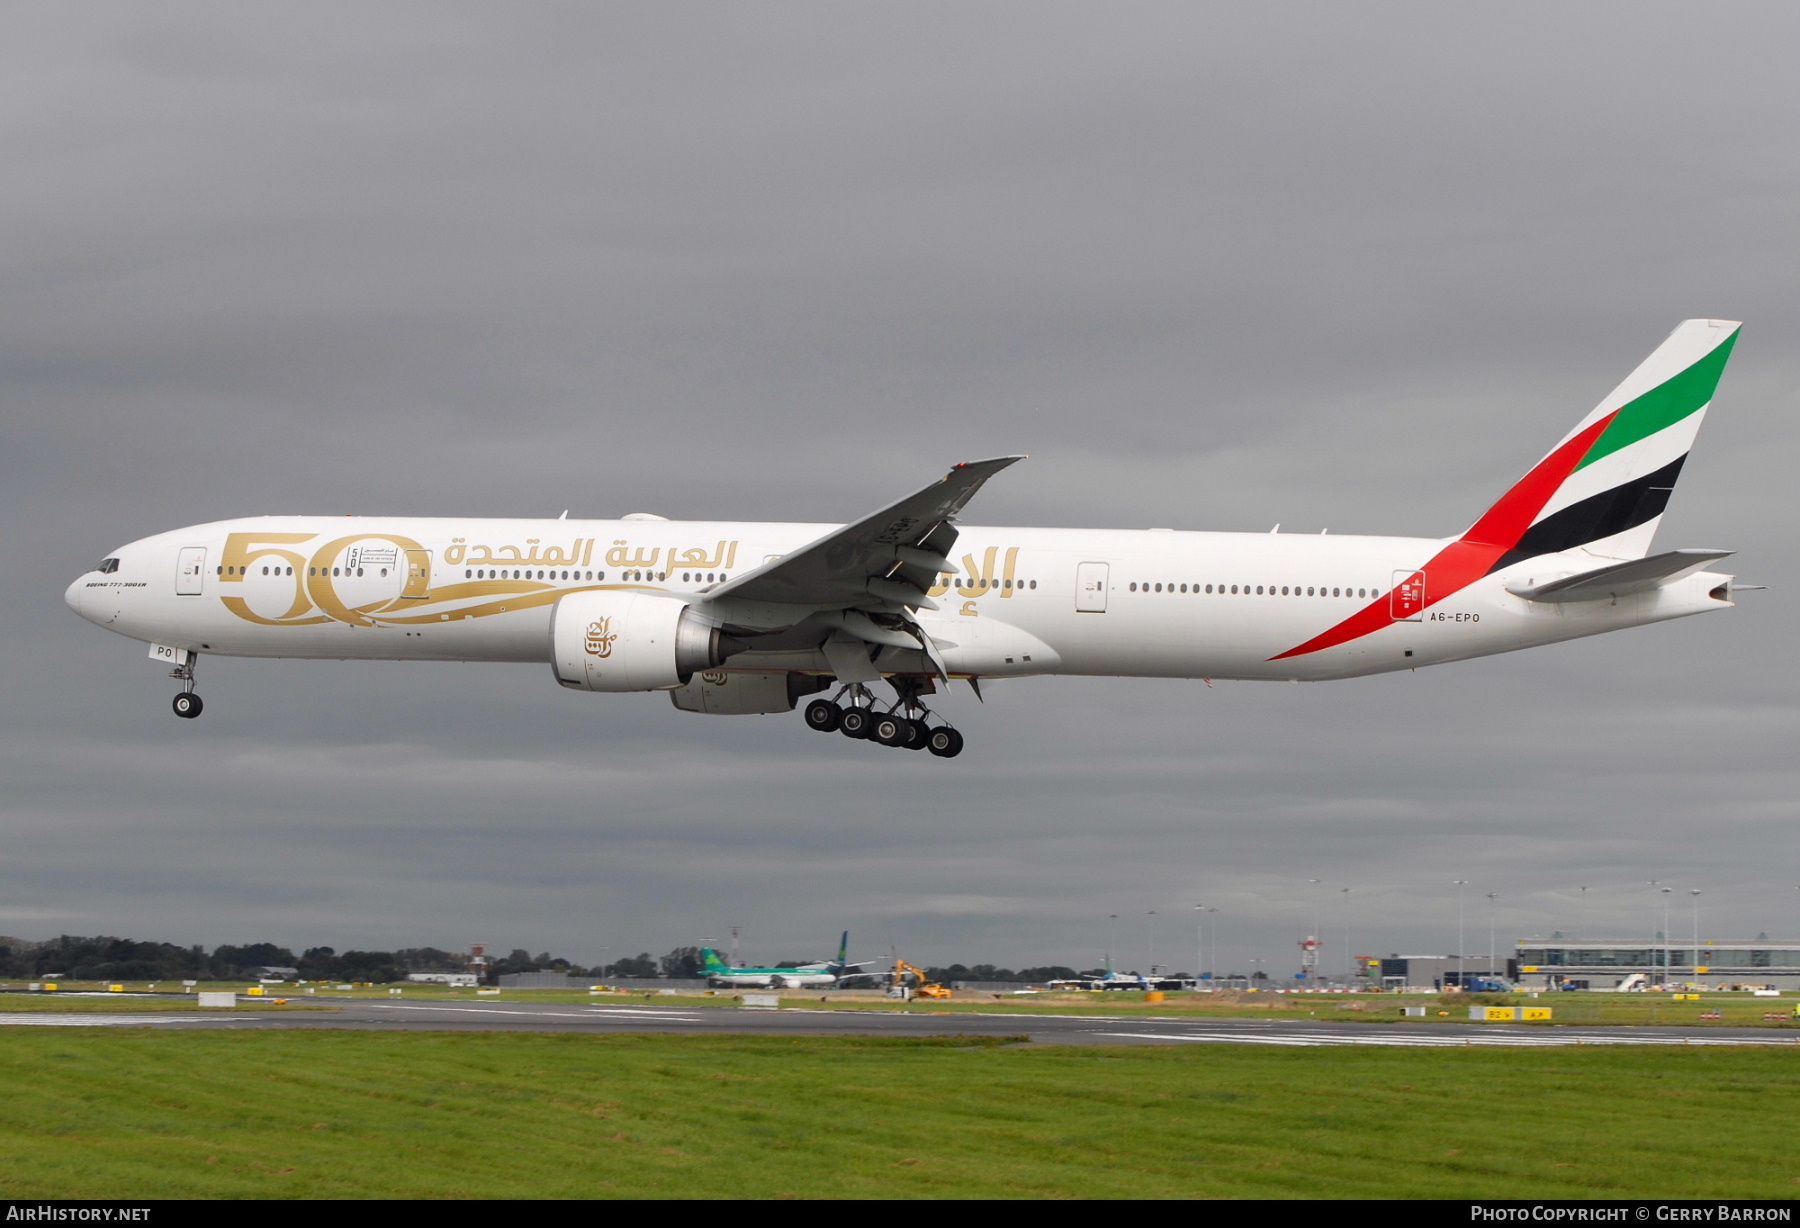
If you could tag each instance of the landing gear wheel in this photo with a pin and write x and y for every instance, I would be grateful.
(916, 734)
(823, 715)
(855, 723)
(187, 704)
(945, 743)
(890, 730)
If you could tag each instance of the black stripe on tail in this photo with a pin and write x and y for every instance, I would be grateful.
(1611, 511)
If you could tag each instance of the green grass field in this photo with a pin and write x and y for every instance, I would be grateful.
(109, 1113)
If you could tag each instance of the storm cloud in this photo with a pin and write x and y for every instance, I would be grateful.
(1214, 266)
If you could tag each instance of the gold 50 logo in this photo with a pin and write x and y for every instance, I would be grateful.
(600, 638)
(397, 568)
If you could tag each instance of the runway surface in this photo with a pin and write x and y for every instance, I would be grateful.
(366, 1015)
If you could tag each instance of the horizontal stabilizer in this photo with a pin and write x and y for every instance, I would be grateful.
(1618, 579)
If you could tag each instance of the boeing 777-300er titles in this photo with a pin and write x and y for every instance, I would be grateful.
(734, 618)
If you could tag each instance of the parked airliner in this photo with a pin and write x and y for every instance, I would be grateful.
(820, 974)
(740, 617)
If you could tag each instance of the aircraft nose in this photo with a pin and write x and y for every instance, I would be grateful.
(74, 594)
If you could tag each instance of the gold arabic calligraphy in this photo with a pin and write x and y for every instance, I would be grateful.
(579, 554)
(622, 554)
(980, 580)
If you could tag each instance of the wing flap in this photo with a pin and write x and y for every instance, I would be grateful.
(1619, 579)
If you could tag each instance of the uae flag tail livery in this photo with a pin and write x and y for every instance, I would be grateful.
(1601, 490)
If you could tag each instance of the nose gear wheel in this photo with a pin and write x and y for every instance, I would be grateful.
(187, 704)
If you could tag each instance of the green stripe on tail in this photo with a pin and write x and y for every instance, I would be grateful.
(1664, 405)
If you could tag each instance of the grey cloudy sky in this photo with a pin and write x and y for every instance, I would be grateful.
(1213, 265)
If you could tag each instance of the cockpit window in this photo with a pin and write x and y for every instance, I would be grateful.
(108, 566)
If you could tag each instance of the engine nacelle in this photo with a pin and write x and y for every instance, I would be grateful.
(631, 641)
(720, 694)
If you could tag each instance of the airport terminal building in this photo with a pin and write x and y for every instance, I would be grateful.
(1418, 973)
(1607, 965)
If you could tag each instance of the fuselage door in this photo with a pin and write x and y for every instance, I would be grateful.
(190, 571)
(1408, 597)
(1090, 588)
(418, 574)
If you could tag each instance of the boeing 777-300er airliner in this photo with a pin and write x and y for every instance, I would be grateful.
(741, 617)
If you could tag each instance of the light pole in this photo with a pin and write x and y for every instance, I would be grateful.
(1112, 940)
(1650, 962)
(1152, 942)
(1492, 896)
(1318, 910)
(1199, 943)
(1694, 894)
(1461, 976)
(1347, 968)
(1665, 933)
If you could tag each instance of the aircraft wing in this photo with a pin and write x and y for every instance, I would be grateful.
(887, 559)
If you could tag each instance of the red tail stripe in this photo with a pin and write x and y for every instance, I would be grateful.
(1505, 523)
(1463, 562)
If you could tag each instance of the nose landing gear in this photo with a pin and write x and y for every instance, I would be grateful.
(187, 704)
(903, 725)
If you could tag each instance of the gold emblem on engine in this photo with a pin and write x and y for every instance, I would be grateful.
(600, 637)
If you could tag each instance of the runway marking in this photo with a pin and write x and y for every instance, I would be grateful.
(98, 1020)
(510, 1012)
(1433, 1042)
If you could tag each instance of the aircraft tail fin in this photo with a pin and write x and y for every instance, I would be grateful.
(710, 960)
(1605, 485)
(843, 959)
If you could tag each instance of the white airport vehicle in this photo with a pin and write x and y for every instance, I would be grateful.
(733, 618)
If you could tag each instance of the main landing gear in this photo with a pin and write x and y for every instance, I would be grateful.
(904, 724)
(187, 704)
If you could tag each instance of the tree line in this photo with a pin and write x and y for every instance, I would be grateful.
(124, 959)
(1024, 976)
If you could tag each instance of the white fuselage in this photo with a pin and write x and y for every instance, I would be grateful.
(1023, 601)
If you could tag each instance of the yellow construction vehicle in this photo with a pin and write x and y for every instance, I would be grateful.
(921, 986)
